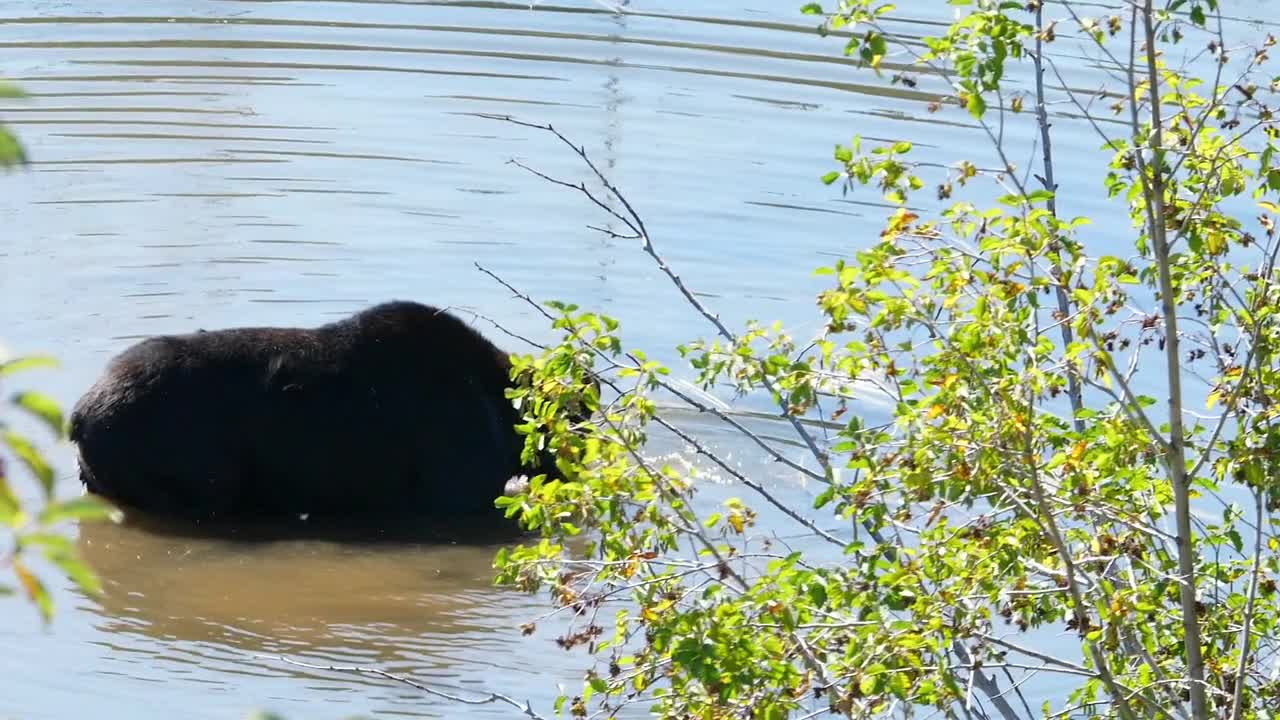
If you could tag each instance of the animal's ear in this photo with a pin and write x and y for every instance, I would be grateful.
(279, 375)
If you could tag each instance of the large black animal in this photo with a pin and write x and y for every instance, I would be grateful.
(398, 409)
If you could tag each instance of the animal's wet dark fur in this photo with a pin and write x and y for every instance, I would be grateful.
(397, 410)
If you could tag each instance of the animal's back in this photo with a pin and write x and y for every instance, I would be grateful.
(409, 417)
(398, 408)
(176, 375)
(164, 427)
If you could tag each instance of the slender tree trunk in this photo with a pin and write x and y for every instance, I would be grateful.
(1176, 452)
(1074, 391)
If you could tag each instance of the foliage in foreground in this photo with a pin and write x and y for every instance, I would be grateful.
(11, 152)
(23, 528)
(1026, 486)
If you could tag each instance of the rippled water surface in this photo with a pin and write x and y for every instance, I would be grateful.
(228, 162)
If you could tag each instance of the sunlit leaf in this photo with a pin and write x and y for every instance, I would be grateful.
(11, 152)
(43, 407)
(34, 588)
(77, 571)
(61, 551)
(82, 508)
(977, 105)
(32, 458)
(10, 508)
(27, 362)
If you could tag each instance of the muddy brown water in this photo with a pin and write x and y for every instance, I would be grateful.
(225, 162)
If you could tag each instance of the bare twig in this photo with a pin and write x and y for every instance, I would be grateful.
(525, 707)
(1246, 641)
(732, 422)
(1042, 657)
(982, 681)
(499, 327)
(635, 223)
(759, 489)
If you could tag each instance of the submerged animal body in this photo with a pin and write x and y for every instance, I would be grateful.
(398, 409)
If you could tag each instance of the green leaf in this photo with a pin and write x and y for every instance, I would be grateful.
(43, 407)
(48, 541)
(28, 362)
(811, 9)
(81, 508)
(10, 91)
(878, 47)
(830, 177)
(818, 594)
(868, 684)
(11, 152)
(977, 105)
(34, 588)
(32, 458)
(10, 508)
(77, 571)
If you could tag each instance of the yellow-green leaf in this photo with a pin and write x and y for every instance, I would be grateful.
(31, 457)
(28, 362)
(44, 407)
(10, 510)
(11, 152)
(77, 571)
(59, 550)
(36, 591)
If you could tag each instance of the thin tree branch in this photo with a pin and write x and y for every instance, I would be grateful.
(985, 683)
(1074, 390)
(525, 707)
(1246, 640)
(635, 223)
(1043, 657)
(1154, 190)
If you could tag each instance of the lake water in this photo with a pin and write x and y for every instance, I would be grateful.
(229, 162)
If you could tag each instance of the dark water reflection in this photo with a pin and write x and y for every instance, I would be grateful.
(206, 611)
(205, 614)
(208, 163)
